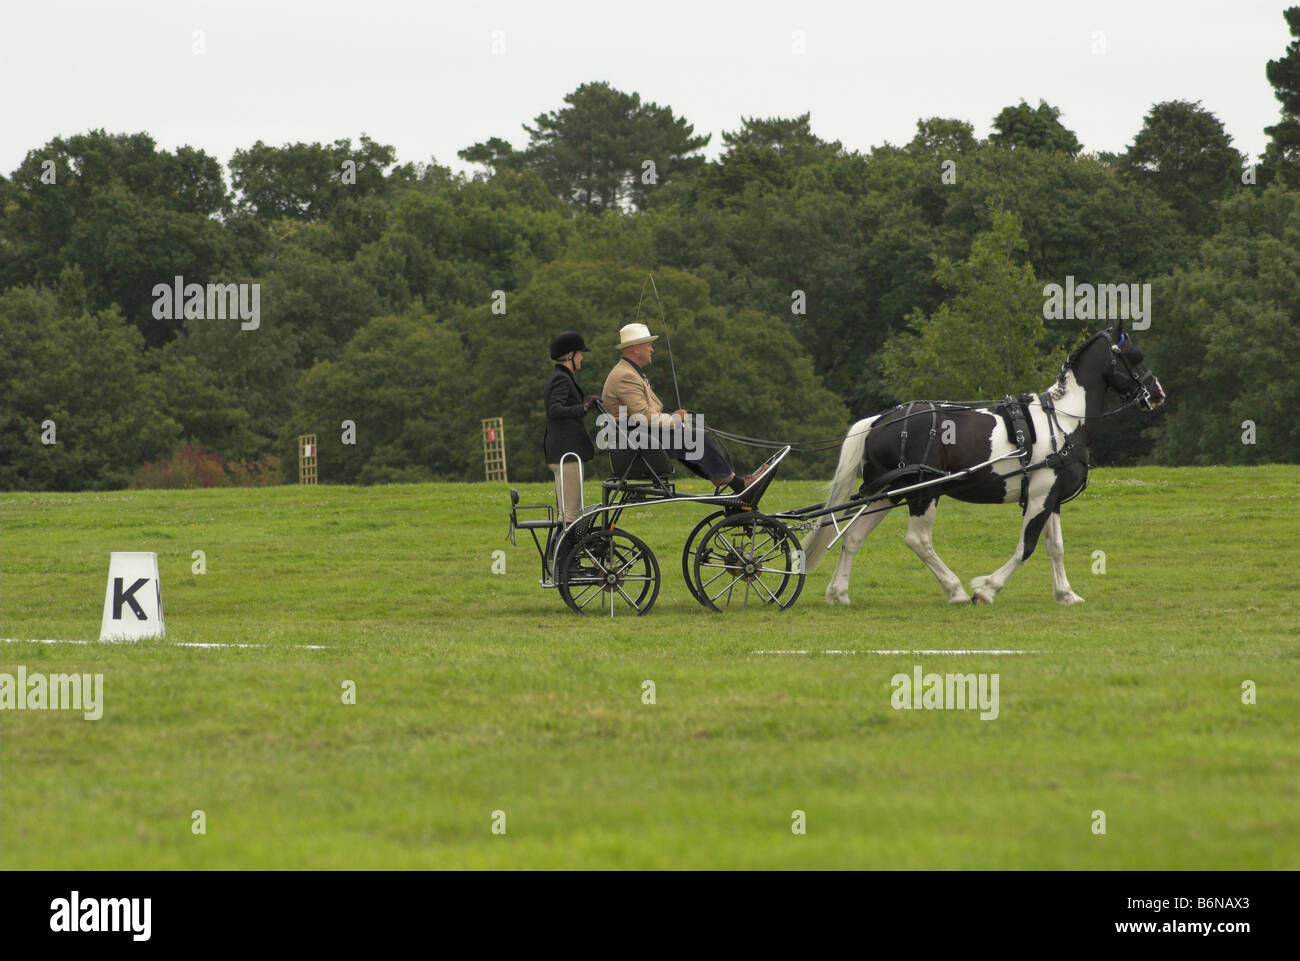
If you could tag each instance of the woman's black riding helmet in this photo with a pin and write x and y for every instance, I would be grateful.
(566, 343)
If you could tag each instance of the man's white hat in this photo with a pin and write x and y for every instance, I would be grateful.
(633, 334)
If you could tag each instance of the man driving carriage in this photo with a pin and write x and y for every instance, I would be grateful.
(628, 389)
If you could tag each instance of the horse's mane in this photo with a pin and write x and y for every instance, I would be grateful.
(1058, 389)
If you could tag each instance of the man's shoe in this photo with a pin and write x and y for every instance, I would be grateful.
(754, 486)
(749, 480)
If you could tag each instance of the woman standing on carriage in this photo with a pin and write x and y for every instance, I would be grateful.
(566, 405)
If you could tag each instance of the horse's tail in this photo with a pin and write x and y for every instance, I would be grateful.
(850, 466)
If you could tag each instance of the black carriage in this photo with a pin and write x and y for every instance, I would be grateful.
(736, 556)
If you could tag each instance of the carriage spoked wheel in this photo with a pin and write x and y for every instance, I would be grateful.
(688, 552)
(609, 572)
(748, 560)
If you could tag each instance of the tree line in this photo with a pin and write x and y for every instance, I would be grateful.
(804, 285)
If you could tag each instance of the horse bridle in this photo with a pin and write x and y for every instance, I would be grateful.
(1141, 392)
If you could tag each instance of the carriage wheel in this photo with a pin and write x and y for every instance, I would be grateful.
(688, 552)
(608, 572)
(748, 558)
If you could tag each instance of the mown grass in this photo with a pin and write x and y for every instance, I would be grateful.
(479, 692)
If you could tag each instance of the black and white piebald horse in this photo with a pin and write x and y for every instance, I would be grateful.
(926, 440)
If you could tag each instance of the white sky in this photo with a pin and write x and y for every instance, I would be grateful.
(423, 77)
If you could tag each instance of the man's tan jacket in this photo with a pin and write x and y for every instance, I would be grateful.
(627, 387)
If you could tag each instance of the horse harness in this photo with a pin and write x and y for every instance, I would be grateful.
(1014, 411)
(1020, 426)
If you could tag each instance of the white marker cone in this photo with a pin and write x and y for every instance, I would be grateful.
(133, 601)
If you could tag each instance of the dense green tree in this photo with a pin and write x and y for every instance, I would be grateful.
(1078, 216)
(126, 246)
(307, 181)
(495, 154)
(258, 368)
(210, 418)
(791, 137)
(789, 259)
(323, 302)
(858, 236)
(1185, 155)
(87, 373)
(795, 255)
(762, 155)
(593, 152)
(1023, 126)
(1282, 155)
(943, 137)
(1224, 344)
(129, 214)
(403, 382)
(458, 245)
(989, 339)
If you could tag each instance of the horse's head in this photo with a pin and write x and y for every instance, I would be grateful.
(1118, 366)
(1129, 376)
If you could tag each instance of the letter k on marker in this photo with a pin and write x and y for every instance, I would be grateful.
(127, 596)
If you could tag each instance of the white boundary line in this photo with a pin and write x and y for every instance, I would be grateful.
(51, 640)
(937, 651)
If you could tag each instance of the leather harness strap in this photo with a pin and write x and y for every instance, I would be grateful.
(1020, 427)
(929, 441)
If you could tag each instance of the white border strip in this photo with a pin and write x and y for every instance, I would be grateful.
(51, 640)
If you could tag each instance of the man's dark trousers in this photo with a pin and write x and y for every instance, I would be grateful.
(711, 462)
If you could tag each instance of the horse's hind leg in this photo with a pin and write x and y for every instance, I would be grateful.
(1056, 551)
(920, 527)
(837, 591)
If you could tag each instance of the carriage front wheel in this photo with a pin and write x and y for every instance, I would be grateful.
(748, 560)
(688, 551)
(609, 572)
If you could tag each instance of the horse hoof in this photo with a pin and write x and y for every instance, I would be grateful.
(979, 597)
(960, 599)
(1071, 598)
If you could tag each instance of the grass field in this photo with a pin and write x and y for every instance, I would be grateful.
(478, 692)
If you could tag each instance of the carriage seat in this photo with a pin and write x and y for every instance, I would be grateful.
(647, 470)
(515, 507)
(640, 464)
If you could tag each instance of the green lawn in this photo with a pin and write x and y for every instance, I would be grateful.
(479, 692)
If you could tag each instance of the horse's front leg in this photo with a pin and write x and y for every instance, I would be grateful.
(1056, 551)
(984, 589)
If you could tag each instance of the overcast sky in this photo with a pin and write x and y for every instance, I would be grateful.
(424, 77)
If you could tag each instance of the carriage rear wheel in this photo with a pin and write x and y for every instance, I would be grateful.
(609, 572)
(748, 560)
